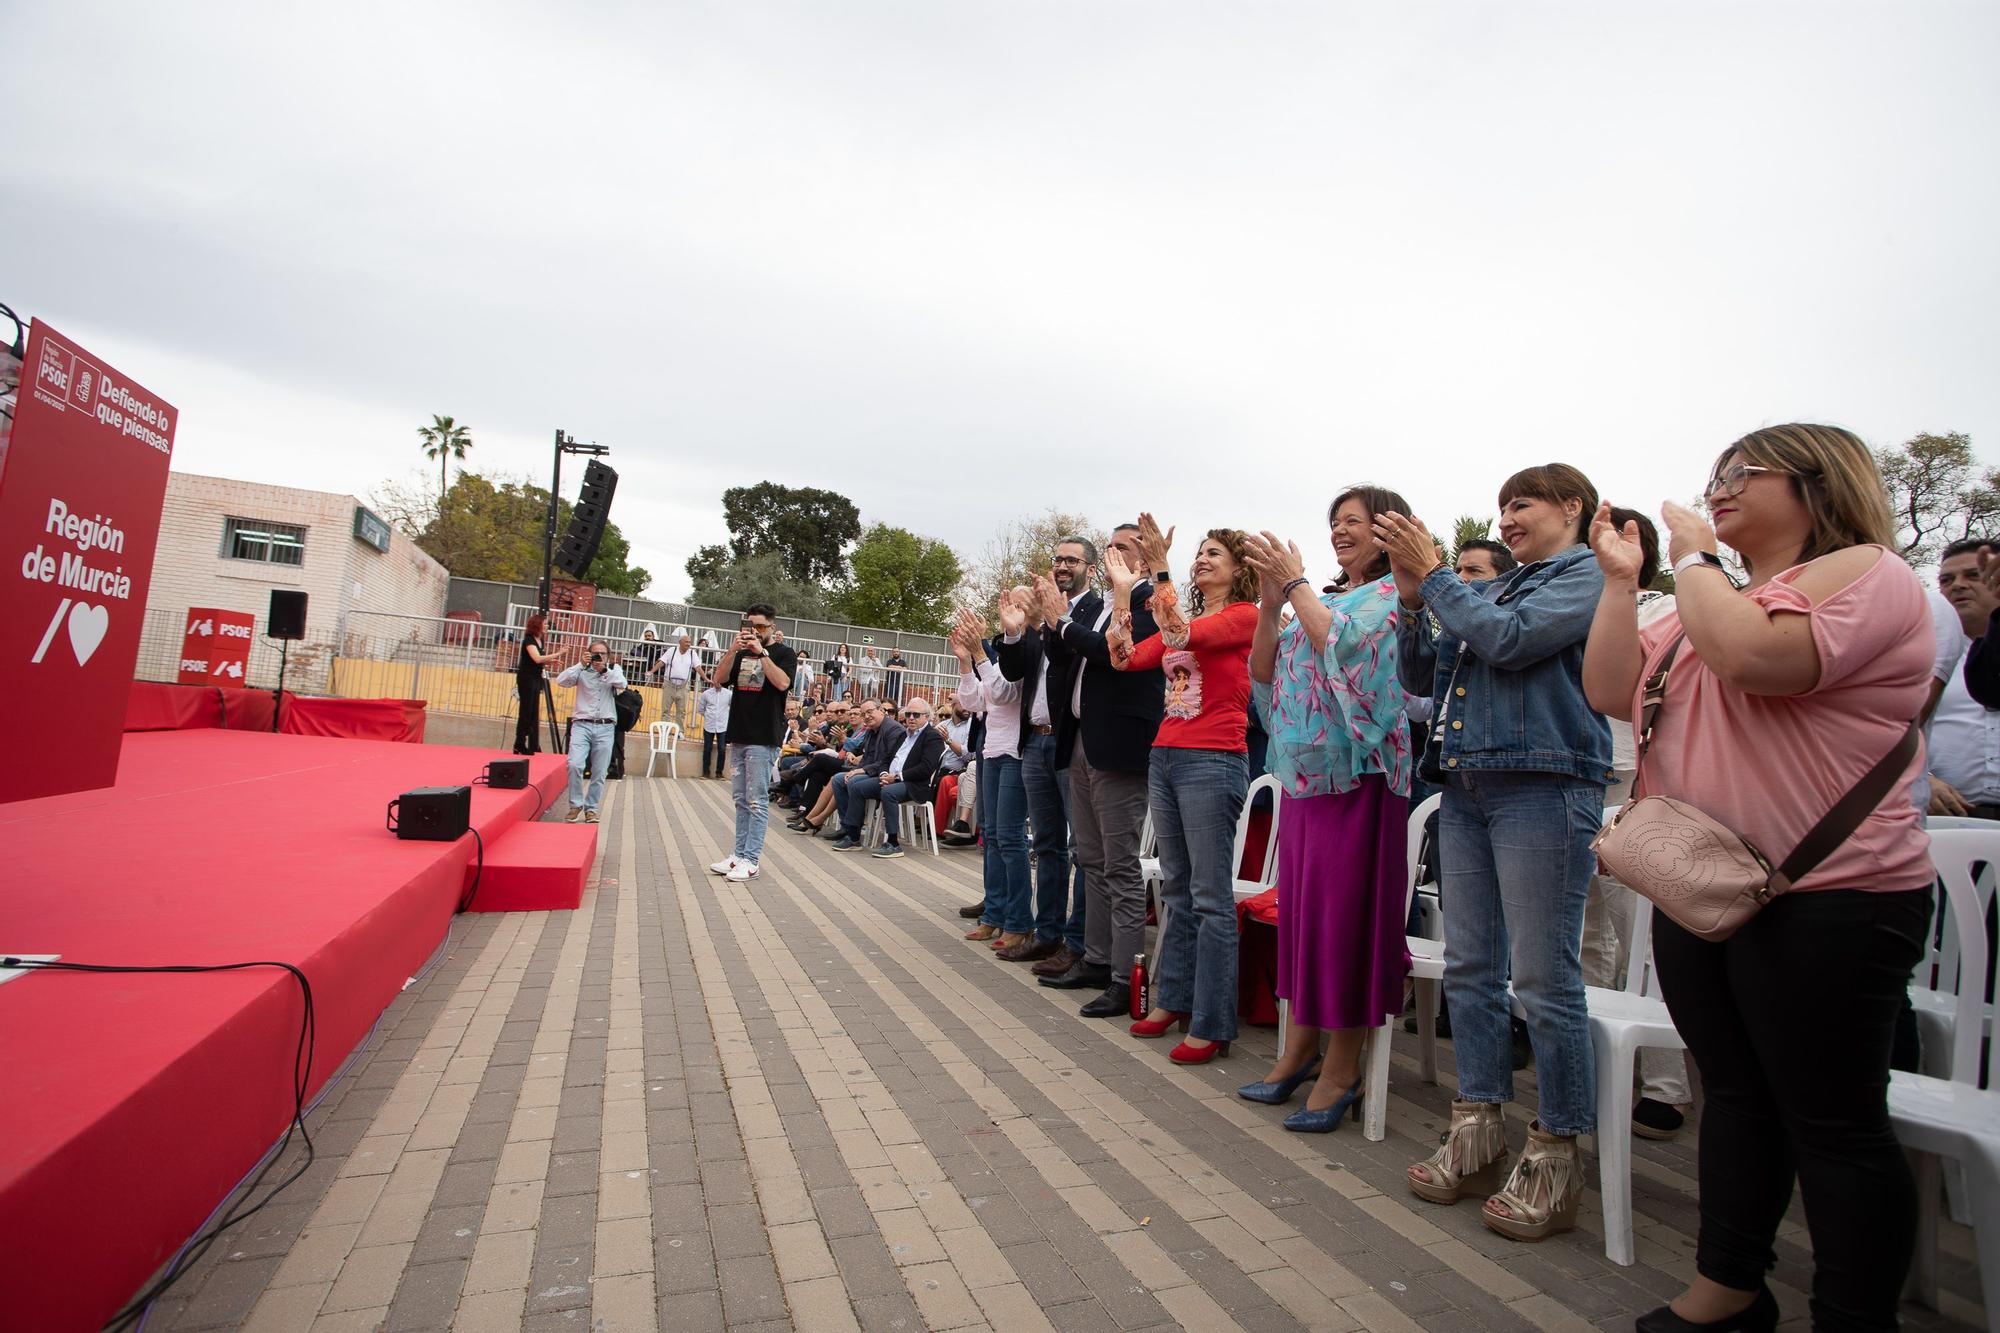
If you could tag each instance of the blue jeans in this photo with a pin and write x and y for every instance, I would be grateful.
(851, 792)
(1003, 832)
(1514, 852)
(840, 688)
(589, 746)
(1196, 798)
(750, 784)
(1048, 812)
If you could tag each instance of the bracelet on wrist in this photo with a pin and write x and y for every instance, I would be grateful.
(1294, 586)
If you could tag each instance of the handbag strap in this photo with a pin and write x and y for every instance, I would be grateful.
(1837, 824)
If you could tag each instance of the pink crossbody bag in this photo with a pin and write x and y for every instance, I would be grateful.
(1704, 875)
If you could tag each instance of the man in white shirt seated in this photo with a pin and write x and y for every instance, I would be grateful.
(1964, 749)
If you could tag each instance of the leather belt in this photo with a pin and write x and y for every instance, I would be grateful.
(601, 721)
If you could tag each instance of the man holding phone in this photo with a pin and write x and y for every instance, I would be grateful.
(757, 671)
(593, 727)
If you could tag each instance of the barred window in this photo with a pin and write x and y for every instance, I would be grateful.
(254, 539)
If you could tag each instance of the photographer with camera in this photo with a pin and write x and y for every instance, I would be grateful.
(593, 727)
(756, 671)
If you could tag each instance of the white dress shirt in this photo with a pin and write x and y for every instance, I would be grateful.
(1965, 744)
(984, 689)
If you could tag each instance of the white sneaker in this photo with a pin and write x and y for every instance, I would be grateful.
(742, 871)
(724, 866)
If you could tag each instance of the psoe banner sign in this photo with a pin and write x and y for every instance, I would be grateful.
(81, 486)
(215, 647)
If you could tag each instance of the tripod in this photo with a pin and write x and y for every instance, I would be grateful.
(556, 745)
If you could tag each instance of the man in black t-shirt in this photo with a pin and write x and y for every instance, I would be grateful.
(757, 671)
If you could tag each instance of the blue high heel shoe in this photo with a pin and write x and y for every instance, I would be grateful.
(1277, 1094)
(1303, 1121)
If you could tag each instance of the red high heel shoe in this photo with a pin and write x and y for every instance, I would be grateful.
(1146, 1027)
(1185, 1054)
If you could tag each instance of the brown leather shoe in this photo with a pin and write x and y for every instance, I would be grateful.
(982, 931)
(1045, 954)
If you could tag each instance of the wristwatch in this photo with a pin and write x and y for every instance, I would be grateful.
(1693, 558)
(1164, 576)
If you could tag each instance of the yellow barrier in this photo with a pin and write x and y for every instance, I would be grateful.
(457, 689)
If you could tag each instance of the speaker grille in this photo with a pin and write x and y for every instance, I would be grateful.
(586, 521)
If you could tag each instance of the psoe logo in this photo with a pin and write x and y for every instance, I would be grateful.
(55, 374)
(86, 382)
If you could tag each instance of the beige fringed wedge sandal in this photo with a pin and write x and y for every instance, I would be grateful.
(1542, 1195)
(1471, 1158)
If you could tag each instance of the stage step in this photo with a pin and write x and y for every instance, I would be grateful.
(537, 868)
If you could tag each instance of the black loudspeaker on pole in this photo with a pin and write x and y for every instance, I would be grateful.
(587, 520)
(286, 622)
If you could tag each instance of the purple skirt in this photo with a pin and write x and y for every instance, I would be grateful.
(1342, 867)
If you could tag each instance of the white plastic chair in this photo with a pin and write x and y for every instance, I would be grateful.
(872, 834)
(664, 738)
(1954, 1118)
(1621, 1022)
(1426, 954)
(1934, 990)
(1375, 1092)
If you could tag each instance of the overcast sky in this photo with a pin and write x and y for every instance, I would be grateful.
(964, 261)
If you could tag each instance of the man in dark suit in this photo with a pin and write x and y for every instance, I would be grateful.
(908, 775)
(885, 738)
(1024, 656)
(1106, 723)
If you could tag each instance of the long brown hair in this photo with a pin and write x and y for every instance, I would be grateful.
(1834, 476)
(1243, 585)
(533, 629)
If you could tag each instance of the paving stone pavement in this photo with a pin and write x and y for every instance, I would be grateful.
(807, 1102)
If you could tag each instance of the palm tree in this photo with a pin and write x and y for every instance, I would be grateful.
(444, 440)
(1468, 528)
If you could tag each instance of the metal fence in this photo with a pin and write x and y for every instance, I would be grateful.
(468, 666)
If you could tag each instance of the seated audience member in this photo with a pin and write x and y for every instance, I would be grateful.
(908, 776)
(810, 784)
(1824, 659)
(861, 782)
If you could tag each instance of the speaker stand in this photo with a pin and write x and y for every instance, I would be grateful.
(278, 699)
(556, 745)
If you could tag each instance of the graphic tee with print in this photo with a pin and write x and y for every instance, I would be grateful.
(756, 707)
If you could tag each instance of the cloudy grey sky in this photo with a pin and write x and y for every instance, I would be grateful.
(963, 261)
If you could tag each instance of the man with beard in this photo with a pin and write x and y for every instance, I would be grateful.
(1031, 657)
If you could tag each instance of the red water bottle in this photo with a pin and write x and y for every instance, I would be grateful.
(1142, 1000)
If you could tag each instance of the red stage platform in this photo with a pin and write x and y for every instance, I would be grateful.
(133, 1104)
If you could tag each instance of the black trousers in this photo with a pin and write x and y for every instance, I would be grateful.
(818, 771)
(1791, 1022)
(529, 721)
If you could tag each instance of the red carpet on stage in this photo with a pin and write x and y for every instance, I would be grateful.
(133, 1104)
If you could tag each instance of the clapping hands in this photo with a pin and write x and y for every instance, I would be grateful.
(1412, 554)
(1619, 554)
(1277, 562)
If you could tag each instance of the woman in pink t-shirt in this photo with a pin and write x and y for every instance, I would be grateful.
(1782, 696)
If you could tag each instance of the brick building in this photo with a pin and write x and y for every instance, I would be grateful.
(226, 544)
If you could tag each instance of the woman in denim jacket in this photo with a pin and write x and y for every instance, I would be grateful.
(1524, 761)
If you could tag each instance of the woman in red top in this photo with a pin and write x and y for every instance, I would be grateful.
(1200, 771)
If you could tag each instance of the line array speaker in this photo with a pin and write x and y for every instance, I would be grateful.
(586, 521)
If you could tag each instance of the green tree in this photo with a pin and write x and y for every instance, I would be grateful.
(707, 564)
(758, 578)
(444, 440)
(1937, 493)
(808, 529)
(1021, 548)
(900, 581)
(483, 529)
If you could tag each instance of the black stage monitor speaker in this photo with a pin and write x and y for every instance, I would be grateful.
(432, 814)
(288, 614)
(507, 774)
(587, 520)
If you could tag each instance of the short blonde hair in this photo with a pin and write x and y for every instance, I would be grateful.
(1835, 477)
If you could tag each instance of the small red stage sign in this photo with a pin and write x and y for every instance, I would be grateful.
(215, 648)
(81, 485)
